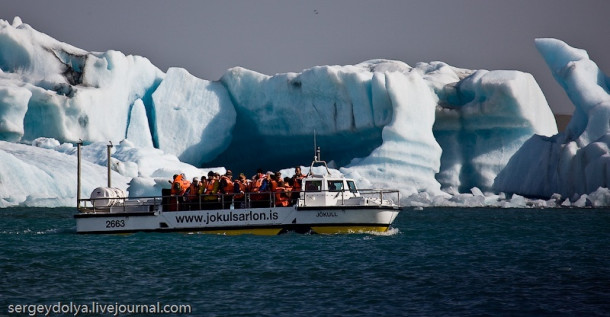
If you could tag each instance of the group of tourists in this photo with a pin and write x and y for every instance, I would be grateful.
(217, 188)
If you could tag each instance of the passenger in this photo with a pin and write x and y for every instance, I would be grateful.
(180, 185)
(297, 183)
(278, 178)
(193, 190)
(242, 186)
(174, 192)
(297, 179)
(281, 189)
(227, 188)
(257, 180)
(257, 183)
(211, 188)
(266, 183)
(202, 184)
(173, 179)
(186, 184)
(192, 193)
(226, 183)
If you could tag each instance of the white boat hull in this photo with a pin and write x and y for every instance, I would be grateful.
(267, 221)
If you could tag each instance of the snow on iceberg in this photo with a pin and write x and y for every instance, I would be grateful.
(576, 161)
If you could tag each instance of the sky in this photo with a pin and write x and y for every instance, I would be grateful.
(278, 36)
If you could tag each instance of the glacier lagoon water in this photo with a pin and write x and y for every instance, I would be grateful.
(451, 261)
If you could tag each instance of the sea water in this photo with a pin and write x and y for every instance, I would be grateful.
(435, 262)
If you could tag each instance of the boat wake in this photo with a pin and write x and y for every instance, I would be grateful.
(31, 232)
(390, 232)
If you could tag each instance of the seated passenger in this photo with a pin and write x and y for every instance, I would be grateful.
(226, 183)
(192, 193)
(242, 186)
(257, 180)
(212, 187)
(173, 201)
(266, 183)
(278, 178)
(202, 184)
(281, 189)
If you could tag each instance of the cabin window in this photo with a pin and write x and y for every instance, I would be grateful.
(352, 187)
(335, 186)
(313, 186)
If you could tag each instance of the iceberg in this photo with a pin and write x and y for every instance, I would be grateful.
(194, 118)
(417, 128)
(434, 131)
(574, 162)
(44, 174)
(40, 177)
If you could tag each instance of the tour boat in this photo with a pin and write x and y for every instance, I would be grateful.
(327, 204)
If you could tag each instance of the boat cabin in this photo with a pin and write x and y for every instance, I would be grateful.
(327, 190)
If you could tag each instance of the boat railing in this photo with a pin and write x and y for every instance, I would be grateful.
(379, 197)
(385, 196)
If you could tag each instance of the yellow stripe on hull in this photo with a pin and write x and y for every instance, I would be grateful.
(235, 232)
(349, 229)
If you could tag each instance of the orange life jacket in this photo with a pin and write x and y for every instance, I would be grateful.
(177, 186)
(229, 187)
(202, 186)
(185, 185)
(256, 185)
(209, 188)
(243, 188)
(297, 181)
(194, 191)
(282, 195)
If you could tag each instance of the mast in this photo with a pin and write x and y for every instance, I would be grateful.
(317, 158)
(78, 170)
(109, 146)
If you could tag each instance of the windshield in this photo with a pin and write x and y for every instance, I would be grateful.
(335, 185)
(352, 186)
(313, 186)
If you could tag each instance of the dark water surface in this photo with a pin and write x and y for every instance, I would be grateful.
(436, 262)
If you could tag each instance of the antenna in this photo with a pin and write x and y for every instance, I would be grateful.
(317, 158)
(315, 147)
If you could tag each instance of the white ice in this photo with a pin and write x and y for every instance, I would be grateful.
(433, 131)
(576, 161)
